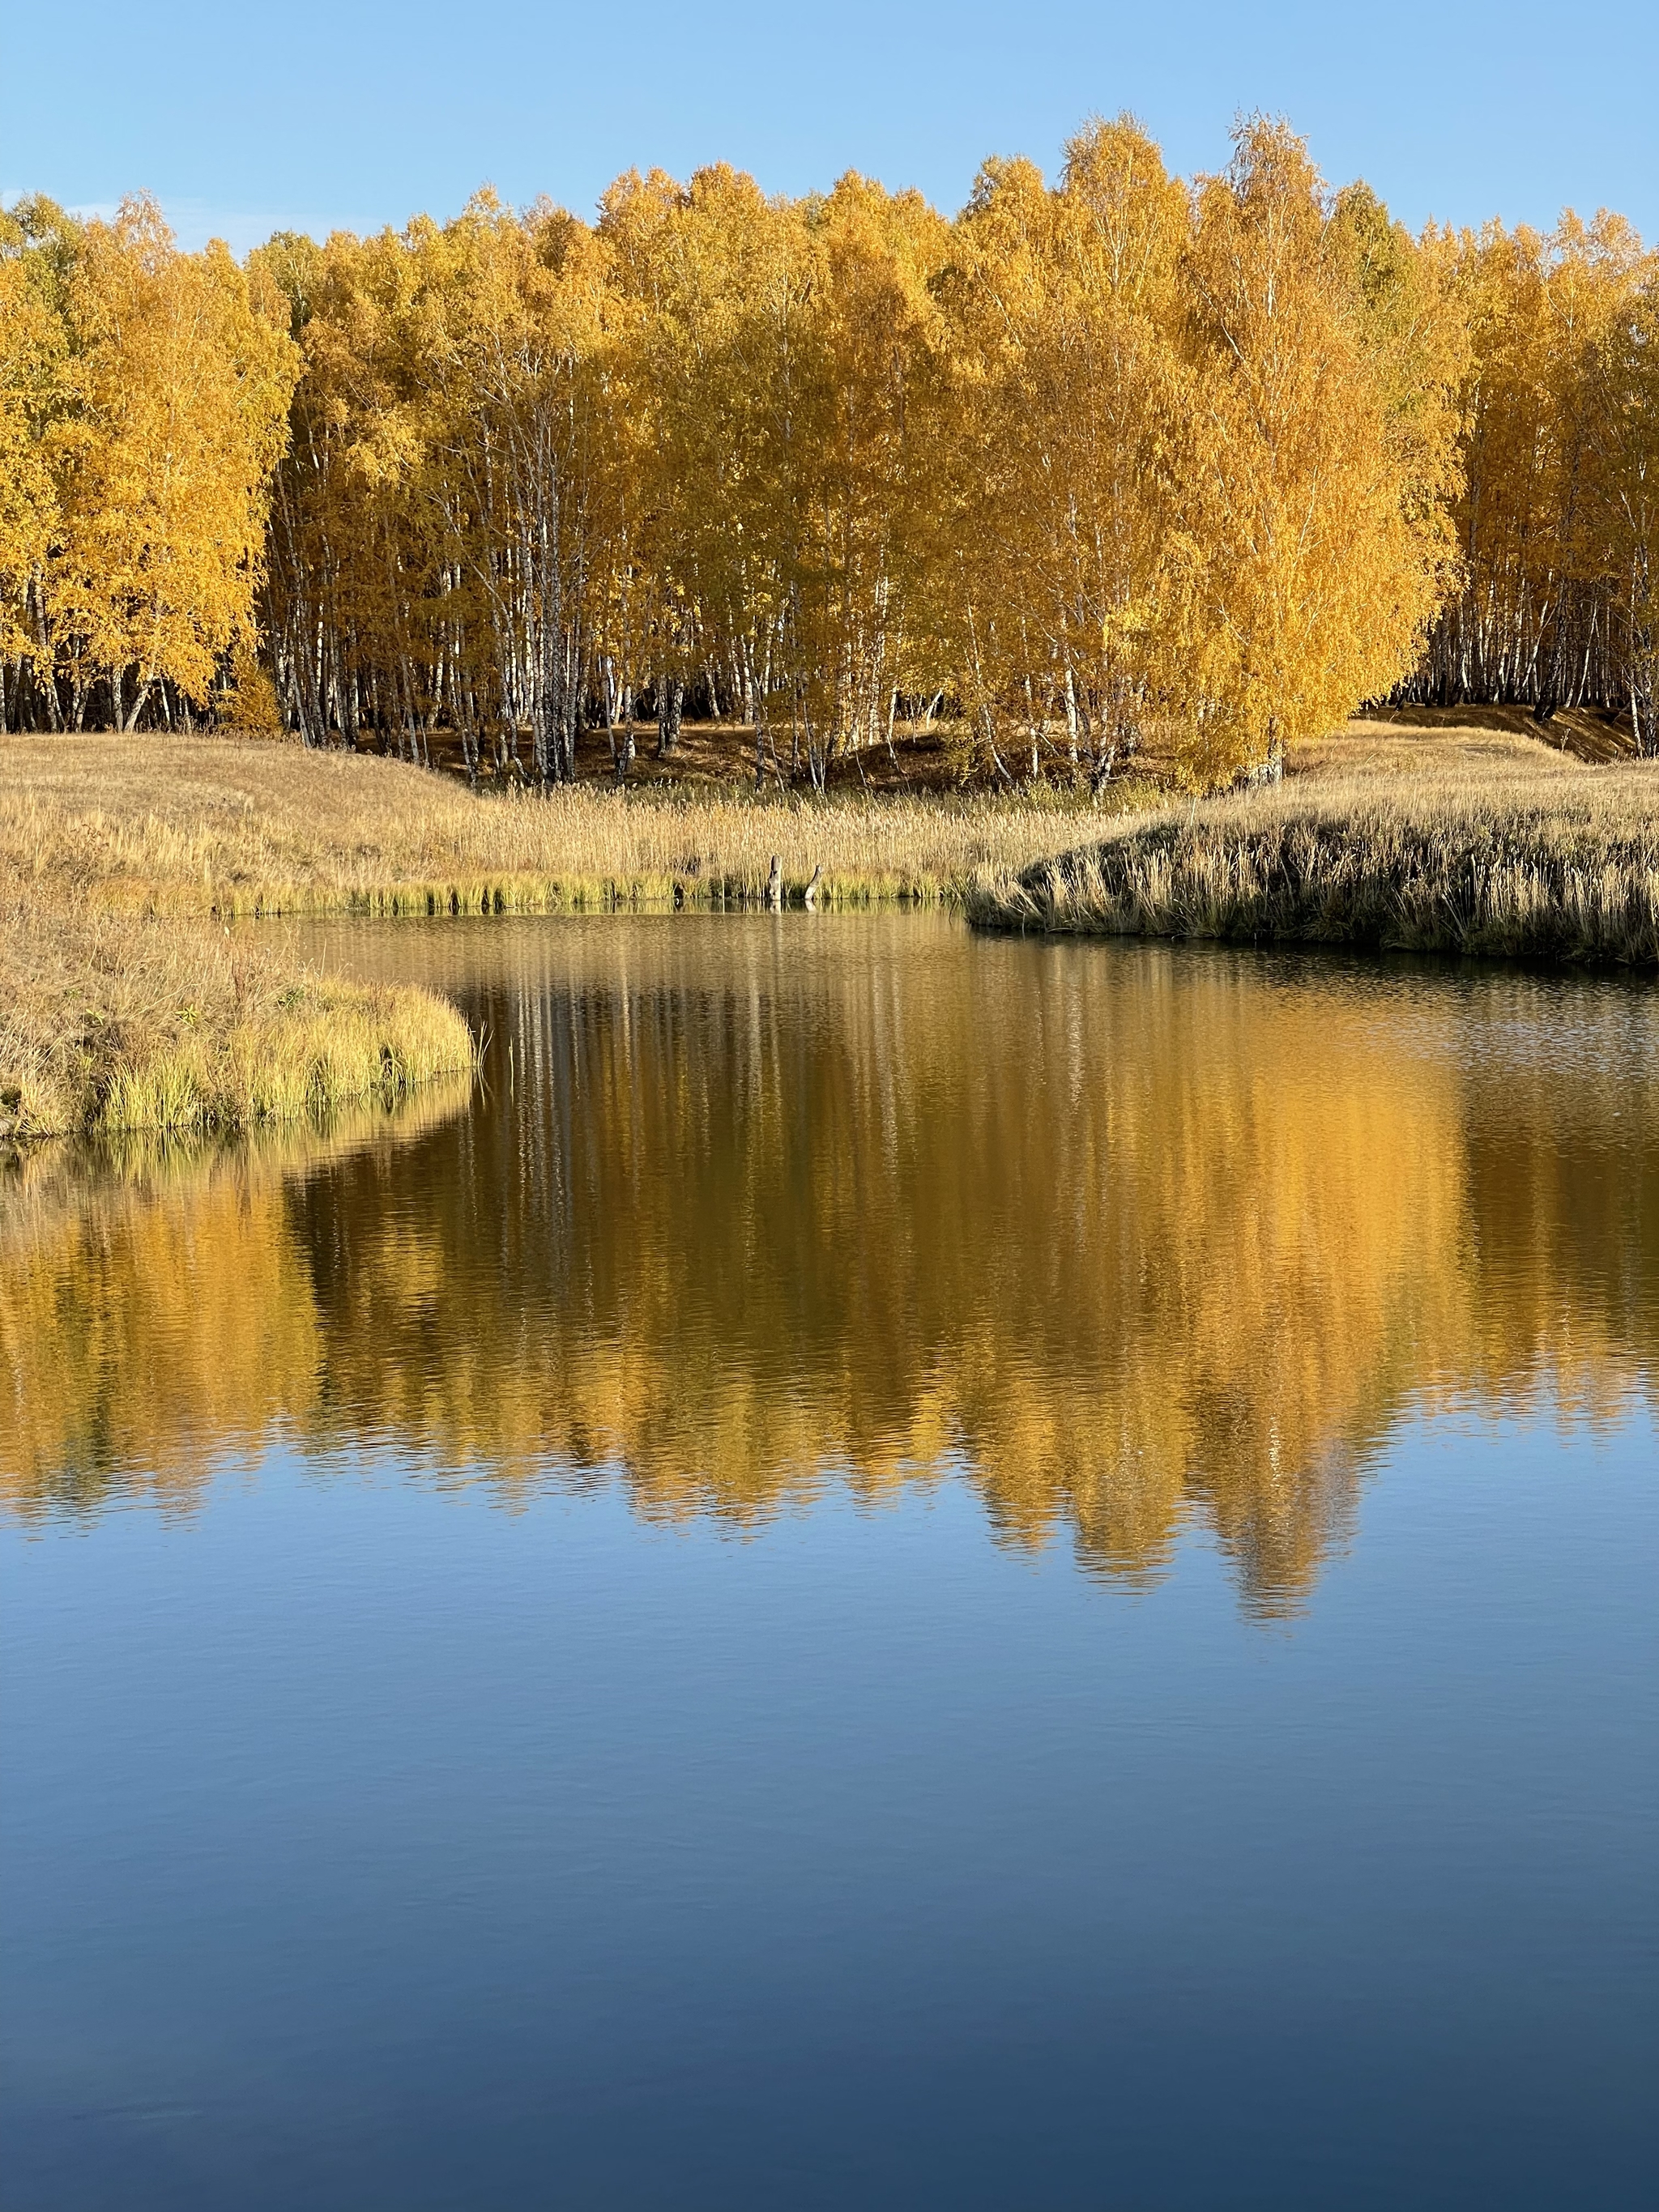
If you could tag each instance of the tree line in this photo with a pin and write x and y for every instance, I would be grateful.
(1119, 458)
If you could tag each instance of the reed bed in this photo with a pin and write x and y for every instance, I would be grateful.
(111, 1023)
(1563, 864)
(181, 825)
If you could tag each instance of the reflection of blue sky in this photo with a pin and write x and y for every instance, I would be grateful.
(863, 1849)
(245, 120)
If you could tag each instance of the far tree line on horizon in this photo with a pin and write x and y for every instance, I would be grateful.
(1117, 458)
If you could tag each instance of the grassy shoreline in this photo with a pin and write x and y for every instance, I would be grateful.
(213, 825)
(111, 1024)
(1515, 865)
(126, 1004)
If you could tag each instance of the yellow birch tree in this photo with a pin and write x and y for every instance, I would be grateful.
(183, 385)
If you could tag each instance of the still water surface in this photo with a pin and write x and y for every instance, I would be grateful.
(892, 1569)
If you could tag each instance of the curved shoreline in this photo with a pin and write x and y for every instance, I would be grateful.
(126, 1003)
(110, 1023)
(1504, 870)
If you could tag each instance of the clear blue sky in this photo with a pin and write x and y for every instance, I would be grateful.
(244, 117)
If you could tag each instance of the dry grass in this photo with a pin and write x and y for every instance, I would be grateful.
(1482, 744)
(178, 825)
(116, 1023)
(121, 1006)
(1582, 733)
(119, 1009)
(1502, 854)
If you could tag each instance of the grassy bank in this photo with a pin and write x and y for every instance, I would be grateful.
(124, 1003)
(1513, 857)
(110, 1022)
(181, 825)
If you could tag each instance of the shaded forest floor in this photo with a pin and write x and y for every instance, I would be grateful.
(930, 761)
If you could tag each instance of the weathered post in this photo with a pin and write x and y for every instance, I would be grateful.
(774, 885)
(810, 896)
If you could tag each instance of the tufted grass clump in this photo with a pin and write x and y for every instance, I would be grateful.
(1561, 868)
(112, 1022)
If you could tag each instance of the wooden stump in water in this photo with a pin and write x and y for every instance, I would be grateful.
(774, 885)
(810, 896)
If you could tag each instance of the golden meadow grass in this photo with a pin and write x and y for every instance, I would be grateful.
(112, 1022)
(182, 825)
(158, 825)
(123, 1003)
(1558, 861)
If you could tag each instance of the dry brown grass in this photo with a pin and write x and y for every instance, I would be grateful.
(176, 825)
(121, 1006)
(1407, 744)
(1582, 733)
(1492, 851)
(114, 1023)
(118, 1008)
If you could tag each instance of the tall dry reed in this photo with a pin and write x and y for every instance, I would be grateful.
(1558, 865)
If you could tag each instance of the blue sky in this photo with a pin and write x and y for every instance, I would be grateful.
(246, 118)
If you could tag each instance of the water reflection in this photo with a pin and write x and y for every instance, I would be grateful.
(1124, 1235)
(156, 1312)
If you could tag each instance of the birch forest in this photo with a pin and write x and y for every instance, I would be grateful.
(1116, 459)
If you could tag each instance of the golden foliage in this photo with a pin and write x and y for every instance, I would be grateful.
(1320, 545)
(1122, 460)
(1118, 456)
(1115, 455)
(30, 340)
(154, 386)
(1559, 520)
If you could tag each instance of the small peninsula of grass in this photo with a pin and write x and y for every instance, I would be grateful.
(112, 1023)
(1514, 861)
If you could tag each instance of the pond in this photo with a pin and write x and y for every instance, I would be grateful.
(890, 1568)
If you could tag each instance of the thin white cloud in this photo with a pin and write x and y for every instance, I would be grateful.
(194, 221)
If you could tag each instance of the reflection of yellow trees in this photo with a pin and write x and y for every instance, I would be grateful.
(1132, 1236)
(1563, 1175)
(156, 1312)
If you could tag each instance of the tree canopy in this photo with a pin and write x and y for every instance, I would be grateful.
(1116, 456)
